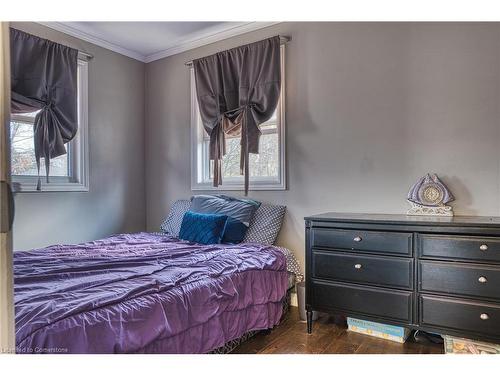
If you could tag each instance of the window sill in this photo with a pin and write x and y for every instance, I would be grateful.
(238, 187)
(30, 187)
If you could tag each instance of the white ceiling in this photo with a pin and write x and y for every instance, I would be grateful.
(149, 41)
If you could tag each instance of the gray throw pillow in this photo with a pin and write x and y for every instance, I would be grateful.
(239, 211)
(266, 224)
(172, 224)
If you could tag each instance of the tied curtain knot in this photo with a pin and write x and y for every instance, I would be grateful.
(48, 138)
(235, 122)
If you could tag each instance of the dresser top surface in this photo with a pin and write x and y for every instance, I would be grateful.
(483, 221)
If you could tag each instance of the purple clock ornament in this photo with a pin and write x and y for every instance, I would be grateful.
(429, 196)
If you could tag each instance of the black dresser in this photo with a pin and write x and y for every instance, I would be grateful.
(436, 274)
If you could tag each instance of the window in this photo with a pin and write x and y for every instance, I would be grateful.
(68, 172)
(267, 169)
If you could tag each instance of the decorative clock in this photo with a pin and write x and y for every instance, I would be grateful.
(429, 196)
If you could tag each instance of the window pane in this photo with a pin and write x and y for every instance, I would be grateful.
(23, 153)
(264, 164)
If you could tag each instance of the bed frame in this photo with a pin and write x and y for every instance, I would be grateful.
(233, 344)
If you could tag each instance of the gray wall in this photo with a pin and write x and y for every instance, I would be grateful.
(116, 201)
(370, 108)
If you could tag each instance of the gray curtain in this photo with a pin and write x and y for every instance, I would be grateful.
(237, 90)
(44, 77)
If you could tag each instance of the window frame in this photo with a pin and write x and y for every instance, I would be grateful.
(200, 164)
(77, 149)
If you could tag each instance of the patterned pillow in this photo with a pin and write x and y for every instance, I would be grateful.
(265, 224)
(172, 224)
(206, 229)
(292, 264)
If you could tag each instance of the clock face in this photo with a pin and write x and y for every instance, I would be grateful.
(431, 194)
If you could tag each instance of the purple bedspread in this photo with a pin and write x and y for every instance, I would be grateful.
(144, 293)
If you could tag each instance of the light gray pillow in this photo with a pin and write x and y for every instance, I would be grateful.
(239, 211)
(238, 208)
(265, 224)
(172, 224)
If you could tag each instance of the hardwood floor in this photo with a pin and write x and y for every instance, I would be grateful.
(290, 337)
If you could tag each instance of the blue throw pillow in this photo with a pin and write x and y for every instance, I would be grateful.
(205, 229)
(239, 212)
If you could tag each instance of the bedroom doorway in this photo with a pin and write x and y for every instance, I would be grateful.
(6, 202)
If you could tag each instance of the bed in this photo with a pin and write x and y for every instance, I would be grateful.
(147, 293)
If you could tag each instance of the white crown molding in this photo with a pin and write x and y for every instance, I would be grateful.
(64, 28)
(188, 44)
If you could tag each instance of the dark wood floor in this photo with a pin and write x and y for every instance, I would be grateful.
(327, 337)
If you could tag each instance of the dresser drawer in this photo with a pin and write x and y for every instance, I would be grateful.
(463, 315)
(364, 300)
(398, 243)
(459, 247)
(376, 270)
(460, 278)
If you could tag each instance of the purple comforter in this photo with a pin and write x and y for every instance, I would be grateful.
(146, 293)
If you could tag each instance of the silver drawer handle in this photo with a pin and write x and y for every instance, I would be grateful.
(483, 247)
(482, 279)
(357, 239)
(484, 316)
(357, 266)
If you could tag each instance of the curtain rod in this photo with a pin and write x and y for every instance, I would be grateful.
(283, 40)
